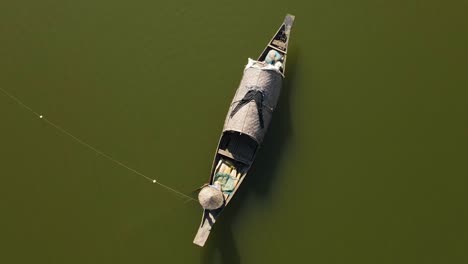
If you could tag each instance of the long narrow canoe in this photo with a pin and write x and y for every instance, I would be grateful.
(247, 122)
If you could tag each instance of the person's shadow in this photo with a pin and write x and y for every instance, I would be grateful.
(221, 246)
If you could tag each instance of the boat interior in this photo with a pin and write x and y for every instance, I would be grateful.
(236, 153)
(279, 45)
(237, 146)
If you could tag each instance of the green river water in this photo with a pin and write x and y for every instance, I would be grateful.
(365, 160)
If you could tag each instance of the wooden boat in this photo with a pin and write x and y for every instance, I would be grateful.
(246, 123)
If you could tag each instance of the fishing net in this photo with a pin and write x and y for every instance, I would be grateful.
(228, 183)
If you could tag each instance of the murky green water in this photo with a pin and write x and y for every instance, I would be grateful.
(365, 161)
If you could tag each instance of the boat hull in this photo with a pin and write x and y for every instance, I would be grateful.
(246, 123)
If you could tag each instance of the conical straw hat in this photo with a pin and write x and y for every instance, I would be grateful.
(210, 198)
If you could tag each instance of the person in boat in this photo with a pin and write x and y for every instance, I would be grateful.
(211, 197)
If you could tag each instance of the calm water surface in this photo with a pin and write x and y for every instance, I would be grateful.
(365, 161)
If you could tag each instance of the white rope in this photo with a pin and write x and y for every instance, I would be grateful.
(52, 124)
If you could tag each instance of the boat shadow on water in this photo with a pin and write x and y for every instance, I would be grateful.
(221, 247)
